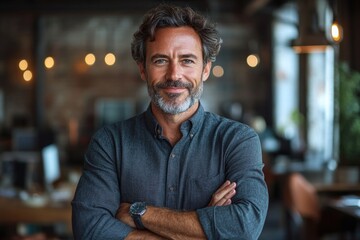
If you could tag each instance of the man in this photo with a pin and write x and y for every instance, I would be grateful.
(174, 171)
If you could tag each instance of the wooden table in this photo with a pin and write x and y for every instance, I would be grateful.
(15, 211)
(349, 205)
(342, 181)
(304, 192)
(337, 188)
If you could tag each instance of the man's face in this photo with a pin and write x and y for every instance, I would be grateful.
(174, 69)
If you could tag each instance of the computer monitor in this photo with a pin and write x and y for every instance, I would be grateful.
(51, 165)
(24, 139)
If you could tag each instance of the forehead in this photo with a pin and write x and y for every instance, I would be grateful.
(171, 40)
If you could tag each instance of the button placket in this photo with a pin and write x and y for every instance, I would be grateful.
(172, 177)
(172, 187)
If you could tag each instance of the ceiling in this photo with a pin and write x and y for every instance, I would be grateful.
(20, 14)
(246, 7)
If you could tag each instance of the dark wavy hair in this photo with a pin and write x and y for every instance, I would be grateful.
(166, 15)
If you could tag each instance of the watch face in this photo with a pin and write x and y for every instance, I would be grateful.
(138, 208)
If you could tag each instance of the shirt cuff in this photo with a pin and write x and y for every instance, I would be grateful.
(206, 216)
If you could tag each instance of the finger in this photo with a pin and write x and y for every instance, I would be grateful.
(225, 191)
(225, 198)
(215, 201)
(222, 191)
(227, 202)
(221, 202)
(222, 187)
(230, 194)
(221, 197)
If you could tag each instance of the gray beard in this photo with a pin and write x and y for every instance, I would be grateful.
(170, 106)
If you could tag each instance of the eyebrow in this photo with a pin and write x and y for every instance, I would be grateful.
(158, 56)
(190, 55)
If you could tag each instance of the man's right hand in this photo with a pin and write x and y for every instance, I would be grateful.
(222, 196)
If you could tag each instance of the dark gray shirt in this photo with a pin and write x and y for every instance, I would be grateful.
(131, 161)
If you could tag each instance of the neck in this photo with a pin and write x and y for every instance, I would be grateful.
(171, 123)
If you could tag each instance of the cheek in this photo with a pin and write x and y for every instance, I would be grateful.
(155, 72)
(153, 78)
(193, 73)
(196, 77)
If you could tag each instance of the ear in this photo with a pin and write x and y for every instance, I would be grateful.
(206, 71)
(142, 71)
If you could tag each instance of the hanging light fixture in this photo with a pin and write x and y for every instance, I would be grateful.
(336, 32)
(336, 28)
(23, 64)
(27, 75)
(253, 59)
(50, 50)
(110, 57)
(90, 57)
(49, 62)
(311, 37)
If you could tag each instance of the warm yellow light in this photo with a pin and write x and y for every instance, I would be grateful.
(23, 65)
(49, 62)
(110, 59)
(27, 75)
(336, 32)
(310, 48)
(253, 60)
(90, 59)
(218, 71)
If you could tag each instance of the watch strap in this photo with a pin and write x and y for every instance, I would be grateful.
(138, 223)
(136, 210)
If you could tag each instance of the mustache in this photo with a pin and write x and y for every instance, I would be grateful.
(172, 83)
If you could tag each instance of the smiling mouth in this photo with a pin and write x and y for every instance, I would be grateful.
(174, 90)
(174, 84)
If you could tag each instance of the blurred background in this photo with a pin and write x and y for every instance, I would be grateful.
(288, 68)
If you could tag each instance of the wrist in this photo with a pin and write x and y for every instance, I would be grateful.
(136, 211)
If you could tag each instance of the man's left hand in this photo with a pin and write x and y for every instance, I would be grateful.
(222, 197)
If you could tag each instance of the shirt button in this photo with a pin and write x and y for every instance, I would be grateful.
(172, 155)
(191, 135)
(171, 189)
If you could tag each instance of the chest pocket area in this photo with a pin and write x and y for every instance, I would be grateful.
(199, 191)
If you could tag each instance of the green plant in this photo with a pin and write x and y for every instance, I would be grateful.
(349, 114)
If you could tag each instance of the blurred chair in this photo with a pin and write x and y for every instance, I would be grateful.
(306, 219)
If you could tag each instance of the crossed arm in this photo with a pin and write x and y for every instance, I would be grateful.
(163, 223)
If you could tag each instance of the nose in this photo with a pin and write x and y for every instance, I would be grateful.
(174, 72)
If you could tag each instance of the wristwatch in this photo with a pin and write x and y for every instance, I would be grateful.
(137, 210)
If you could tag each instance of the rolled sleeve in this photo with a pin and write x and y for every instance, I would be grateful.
(236, 221)
(90, 222)
(97, 197)
(245, 217)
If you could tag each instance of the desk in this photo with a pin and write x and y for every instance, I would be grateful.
(337, 188)
(14, 211)
(310, 198)
(349, 205)
(342, 181)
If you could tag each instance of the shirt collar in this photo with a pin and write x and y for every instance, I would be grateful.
(191, 125)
